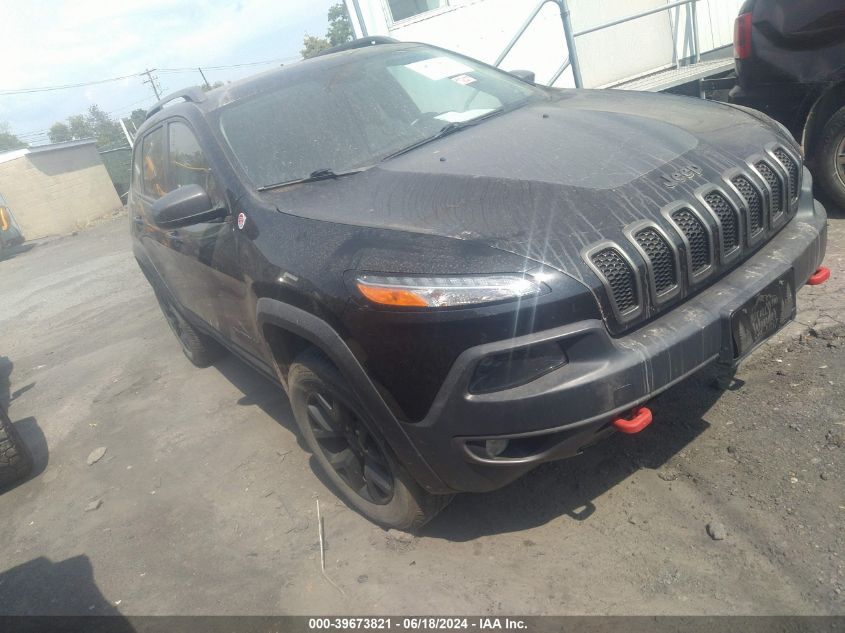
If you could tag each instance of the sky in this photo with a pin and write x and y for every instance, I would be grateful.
(57, 42)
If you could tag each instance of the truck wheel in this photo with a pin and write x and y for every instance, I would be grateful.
(829, 158)
(200, 349)
(15, 460)
(350, 451)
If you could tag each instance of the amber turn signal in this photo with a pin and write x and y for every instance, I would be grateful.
(391, 296)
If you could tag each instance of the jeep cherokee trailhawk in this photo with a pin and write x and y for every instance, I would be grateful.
(455, 274)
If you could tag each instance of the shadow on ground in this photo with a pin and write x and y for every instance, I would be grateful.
(43, 588)
(567, 487)
(14, 251)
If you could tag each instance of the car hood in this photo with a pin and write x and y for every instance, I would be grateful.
(551, 178)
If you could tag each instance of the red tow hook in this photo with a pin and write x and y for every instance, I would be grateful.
(641, 419)
(819, 277)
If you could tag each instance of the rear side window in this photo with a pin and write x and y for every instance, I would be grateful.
(187, 164)
(153, 157)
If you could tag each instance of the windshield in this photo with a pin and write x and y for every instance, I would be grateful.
(353, 115)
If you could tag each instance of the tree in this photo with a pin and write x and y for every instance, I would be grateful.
(340, 26)
(95, 124)
(339, 32)
(60, 132)
(9, 141)
(137, 117)
(311, 45)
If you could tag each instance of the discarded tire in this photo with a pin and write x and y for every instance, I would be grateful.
(15, 459)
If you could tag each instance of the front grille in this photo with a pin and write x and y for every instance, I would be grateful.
(756, 218)
(620, 278)
(662, 260)
(775, 185)
(697, 236)
(727, 218)
(791, 169)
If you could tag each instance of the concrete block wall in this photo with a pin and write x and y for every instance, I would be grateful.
(57, 191)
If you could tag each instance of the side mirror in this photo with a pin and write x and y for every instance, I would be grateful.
(183, 206)
(526, 75)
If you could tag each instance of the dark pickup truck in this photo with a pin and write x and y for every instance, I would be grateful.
(455, 274)
(790, 64)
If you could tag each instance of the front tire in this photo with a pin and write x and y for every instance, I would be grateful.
(349, 450)
(829, 158)
(15, 459)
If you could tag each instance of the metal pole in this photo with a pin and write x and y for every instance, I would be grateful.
(521, 31)
(694, 14)
(634, 16)
(559, 72)
(207, 85)
(360, 17)
(570, 42)
(126, 133)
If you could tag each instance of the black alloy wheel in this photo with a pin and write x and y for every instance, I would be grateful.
(349, 447)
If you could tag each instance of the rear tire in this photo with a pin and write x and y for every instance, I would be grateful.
(829, 158)
(15, 459)
(365, 471)
(198, 348)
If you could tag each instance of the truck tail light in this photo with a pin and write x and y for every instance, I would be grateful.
(742, 36)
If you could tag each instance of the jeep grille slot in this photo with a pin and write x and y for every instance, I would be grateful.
(756, 219)
(727, 218)
(776, 187)
(662, 260)
(791, 169)
(620, 278)
(697, 236)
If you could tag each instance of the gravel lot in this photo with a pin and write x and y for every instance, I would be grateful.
(207, 502)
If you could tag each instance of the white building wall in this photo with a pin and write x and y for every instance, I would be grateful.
(482, 29)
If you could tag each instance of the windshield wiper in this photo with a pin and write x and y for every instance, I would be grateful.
(314, 176)
(447, 129)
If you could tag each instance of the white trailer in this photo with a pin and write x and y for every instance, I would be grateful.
(634, 44)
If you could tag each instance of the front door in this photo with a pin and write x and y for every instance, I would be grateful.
(197, 262)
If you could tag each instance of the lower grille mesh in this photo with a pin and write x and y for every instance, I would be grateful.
(662, 260)
(620, 278)
(791, 169)
(775, 185)
(727, 217)
(756, 219)
(697, 236)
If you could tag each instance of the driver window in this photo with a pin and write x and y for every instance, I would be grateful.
(152, 157)
(186, 163)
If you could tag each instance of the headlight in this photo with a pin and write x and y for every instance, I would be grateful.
(447, 292)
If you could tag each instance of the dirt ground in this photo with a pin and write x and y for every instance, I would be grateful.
(207, 502)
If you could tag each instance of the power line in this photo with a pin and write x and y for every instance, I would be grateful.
(83, 84)
(66, 86)
(261, 63)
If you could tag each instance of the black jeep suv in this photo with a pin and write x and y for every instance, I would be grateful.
(457, 275)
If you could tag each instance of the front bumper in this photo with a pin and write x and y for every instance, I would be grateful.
(564, 411)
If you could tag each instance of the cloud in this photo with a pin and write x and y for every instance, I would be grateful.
(58, 42)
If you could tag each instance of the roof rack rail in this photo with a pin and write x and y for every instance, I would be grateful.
(362, 42)
(194, 94)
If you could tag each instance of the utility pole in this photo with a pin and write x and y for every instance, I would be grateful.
(207, 85)
(126, 133)
(151, 80)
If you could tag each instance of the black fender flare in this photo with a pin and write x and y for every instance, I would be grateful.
(324, 337)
